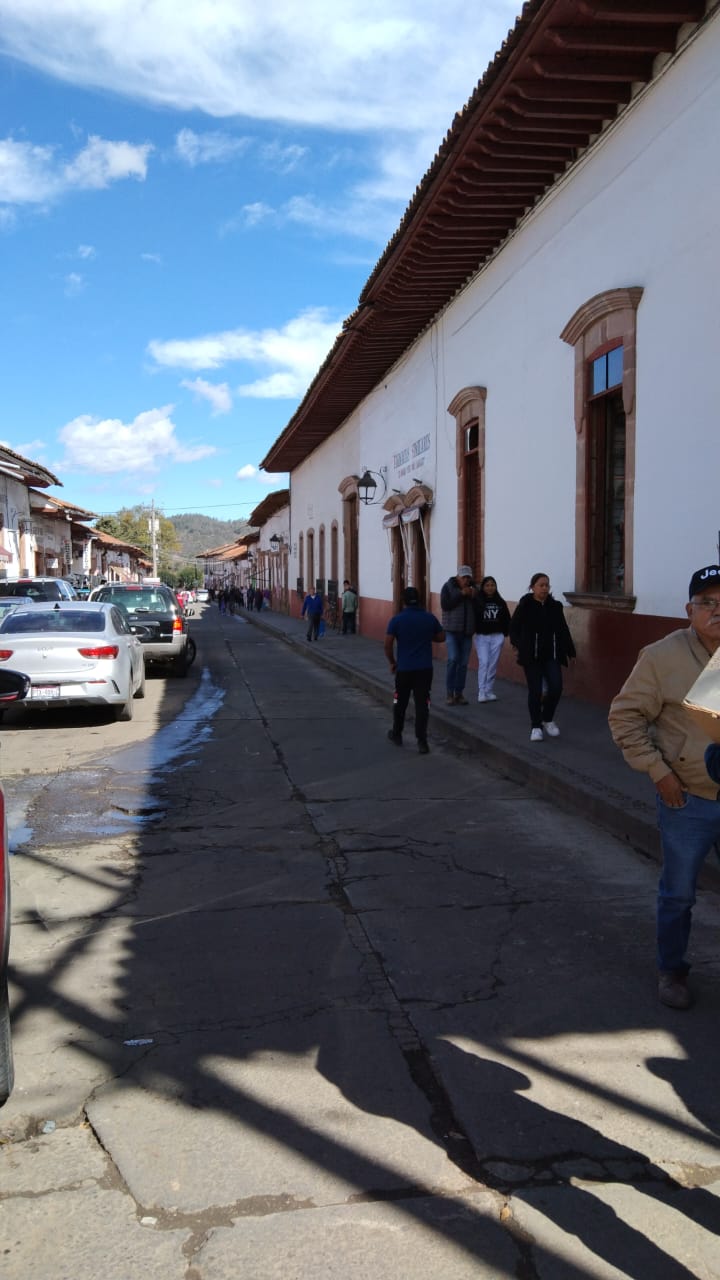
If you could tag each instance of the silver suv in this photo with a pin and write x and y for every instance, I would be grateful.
(38, 588)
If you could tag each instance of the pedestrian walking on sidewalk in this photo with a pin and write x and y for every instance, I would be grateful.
(349, 609)
(657, 736)
(541, 637)
(408, 648)
(457, 602)
(313, 610)
(492, 623)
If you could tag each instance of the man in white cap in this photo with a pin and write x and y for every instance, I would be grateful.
(457, 602)
(657, 736)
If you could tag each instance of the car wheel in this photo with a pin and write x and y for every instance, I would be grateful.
(140, 691)
(125, 710)
(6, 1058)
(191, 651)
(180, 665)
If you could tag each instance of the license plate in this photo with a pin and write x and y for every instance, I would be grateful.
(45, 691)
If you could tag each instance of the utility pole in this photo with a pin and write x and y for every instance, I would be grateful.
(153, 537)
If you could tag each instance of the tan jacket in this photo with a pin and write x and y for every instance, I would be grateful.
(647, 719)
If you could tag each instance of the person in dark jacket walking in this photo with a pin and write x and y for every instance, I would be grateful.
(541, 636)
(313, 610)
(492, 623)
(414, 631)
(457, 602)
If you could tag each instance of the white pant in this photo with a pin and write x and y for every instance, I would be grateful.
(488, 650)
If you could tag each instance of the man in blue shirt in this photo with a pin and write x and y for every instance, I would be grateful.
(313, 610)
(414, 631)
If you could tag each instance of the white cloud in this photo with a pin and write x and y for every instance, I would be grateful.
(31, 174)
(151, 257)
(406, 61)
(212, 147)
(109, 446)
(74, 284)
(86, 251)
(283, 159)
(249, 472)
(292, 354)
(102, 162)
(217, 393)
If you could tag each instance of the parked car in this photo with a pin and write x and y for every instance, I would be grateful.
(157, 609)
(39, 588)
(203, 595)
(11, 602)
(76, 654)
(13, 686)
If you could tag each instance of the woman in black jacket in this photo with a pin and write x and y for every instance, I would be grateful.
(541, 636)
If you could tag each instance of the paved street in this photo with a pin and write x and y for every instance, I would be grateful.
(292, 1002)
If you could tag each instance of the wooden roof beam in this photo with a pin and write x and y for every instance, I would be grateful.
(651, 11)
(592, 71)
(616, 39)
(609, 90)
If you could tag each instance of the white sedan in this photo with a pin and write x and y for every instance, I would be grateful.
(75, 653)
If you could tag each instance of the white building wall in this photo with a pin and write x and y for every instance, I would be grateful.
(642, 208)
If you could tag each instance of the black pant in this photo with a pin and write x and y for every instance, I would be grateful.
(418, 684)
(542, 705)
(348, 625)
(313, 625)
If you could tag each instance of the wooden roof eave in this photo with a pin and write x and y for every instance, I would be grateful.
(575, 61)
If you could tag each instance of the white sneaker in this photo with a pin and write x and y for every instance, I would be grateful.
(536, 735)
(551, 729)
(483, 697)
(491, 697)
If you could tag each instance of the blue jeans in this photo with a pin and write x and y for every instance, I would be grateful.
(458, 652)
(687, 834)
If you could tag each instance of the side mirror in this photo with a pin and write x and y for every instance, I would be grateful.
(13, 686)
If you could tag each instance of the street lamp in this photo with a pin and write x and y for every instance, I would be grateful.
(367, 486)
(276, 542)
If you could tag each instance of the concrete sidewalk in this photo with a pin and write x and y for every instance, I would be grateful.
(582, 770)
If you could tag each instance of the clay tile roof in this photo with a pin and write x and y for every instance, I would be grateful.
(269, 507)
(564, 72)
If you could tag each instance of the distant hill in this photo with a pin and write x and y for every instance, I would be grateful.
(197, 533)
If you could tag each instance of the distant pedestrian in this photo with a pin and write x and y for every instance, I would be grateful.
(457, 602)
(541, 637)
(413, 631)
(313, 610)
(349, 608)
(222, 601)
(258, 599)
(492, 623)
(657, 736)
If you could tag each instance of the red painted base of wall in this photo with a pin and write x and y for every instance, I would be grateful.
(607, 642)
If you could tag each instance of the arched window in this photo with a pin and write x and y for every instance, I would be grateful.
(321, 555)
(603, 334)
(301, 561)
(468, 410)
(334, 551)
(310, 552)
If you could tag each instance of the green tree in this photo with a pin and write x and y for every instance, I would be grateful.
(132, 524)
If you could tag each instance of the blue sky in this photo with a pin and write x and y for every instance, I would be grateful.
(192, 196)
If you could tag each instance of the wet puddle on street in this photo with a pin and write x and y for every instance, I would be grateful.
(116, 797)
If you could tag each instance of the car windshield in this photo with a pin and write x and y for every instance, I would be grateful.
(59, 620)
(136, 601)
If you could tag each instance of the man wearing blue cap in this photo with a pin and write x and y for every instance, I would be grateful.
(657, 736)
